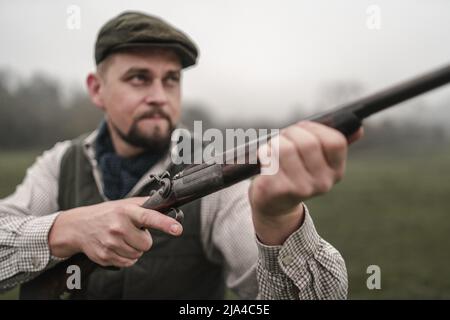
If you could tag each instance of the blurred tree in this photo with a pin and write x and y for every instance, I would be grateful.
(34, 115)
(333, 94)
(191, 112)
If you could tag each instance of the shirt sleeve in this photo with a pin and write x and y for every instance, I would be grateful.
(304, 267)
(26, 217)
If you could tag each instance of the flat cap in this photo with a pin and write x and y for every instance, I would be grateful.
(135, 29)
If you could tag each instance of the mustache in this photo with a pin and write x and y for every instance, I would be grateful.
(153, 113)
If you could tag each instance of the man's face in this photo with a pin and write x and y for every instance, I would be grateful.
(140, 91)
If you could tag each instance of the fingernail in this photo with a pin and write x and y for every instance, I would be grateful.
(175, 228)
(132, 262)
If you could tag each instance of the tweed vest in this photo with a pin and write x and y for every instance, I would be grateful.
(174, 268)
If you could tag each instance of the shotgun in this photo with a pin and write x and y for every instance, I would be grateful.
(195, 181)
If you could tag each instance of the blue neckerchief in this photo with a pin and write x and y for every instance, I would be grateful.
(119, 174)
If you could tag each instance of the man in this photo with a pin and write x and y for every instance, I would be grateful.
(85, 195)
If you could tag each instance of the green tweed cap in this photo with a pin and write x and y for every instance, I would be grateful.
(135, 29)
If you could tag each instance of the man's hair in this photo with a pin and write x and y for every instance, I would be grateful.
(103, 66)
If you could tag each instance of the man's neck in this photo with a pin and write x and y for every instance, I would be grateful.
(123, 149)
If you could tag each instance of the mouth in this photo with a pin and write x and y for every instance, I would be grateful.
(153, 120)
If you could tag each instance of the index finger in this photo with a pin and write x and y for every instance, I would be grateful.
(147, 218)
(356, 136)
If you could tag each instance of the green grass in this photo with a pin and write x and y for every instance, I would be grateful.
(393, 213)
(389, 211)
(13, 165)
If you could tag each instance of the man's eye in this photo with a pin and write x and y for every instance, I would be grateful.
(173, 79)
(138, 79)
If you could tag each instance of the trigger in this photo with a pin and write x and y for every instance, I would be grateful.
(177, 214)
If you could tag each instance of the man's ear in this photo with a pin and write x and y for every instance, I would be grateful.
(94, 83)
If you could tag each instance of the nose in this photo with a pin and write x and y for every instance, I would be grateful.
(156, 95)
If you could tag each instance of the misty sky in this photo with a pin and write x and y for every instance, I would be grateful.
(257, 56)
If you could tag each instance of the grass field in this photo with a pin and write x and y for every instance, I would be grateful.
(389, 211)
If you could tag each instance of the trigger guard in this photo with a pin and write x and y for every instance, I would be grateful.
(177, 214)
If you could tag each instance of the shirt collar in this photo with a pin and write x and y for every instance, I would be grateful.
(89, 150)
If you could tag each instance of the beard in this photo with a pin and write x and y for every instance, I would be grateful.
(158, 142)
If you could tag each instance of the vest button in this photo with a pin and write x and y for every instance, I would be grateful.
(287, 260)
(35, 262)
